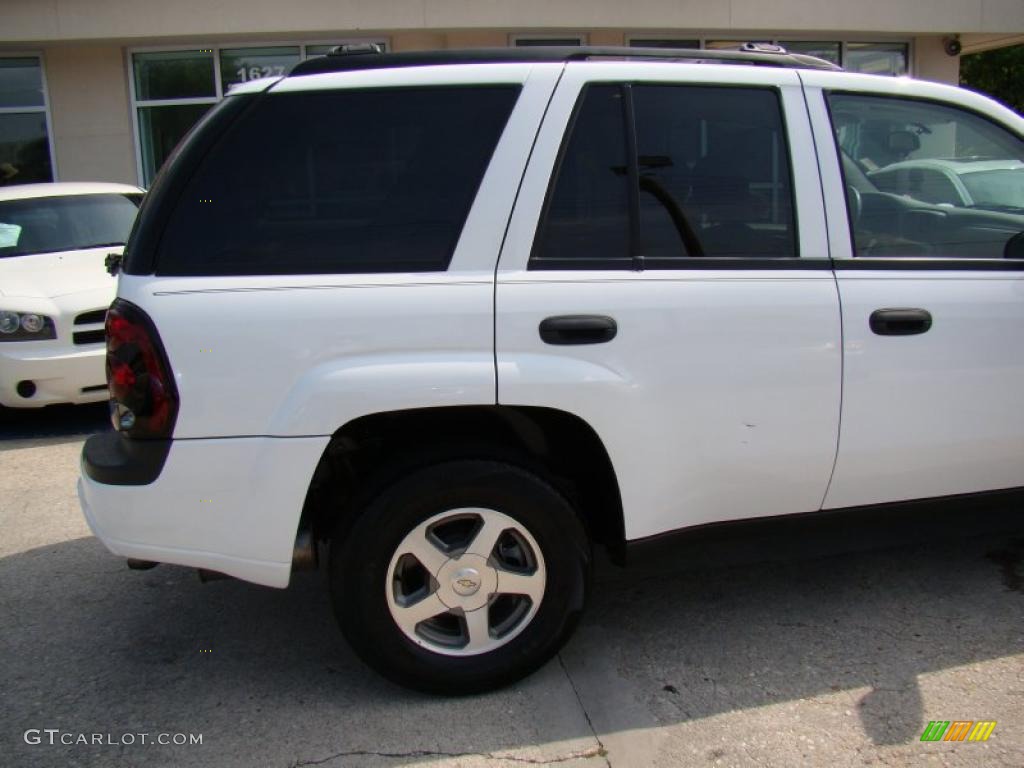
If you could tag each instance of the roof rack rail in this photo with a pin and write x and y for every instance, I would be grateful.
(354, 57)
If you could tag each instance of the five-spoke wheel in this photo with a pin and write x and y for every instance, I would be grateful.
(461, 577)
(465, 581)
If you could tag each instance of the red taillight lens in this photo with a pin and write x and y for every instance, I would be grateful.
(144, 401)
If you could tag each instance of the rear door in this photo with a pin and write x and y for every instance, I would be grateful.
(932, 292)
(658, 282)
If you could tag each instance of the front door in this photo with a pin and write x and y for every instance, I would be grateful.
(932, 289)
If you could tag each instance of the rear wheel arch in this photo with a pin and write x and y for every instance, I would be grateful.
(372, 452)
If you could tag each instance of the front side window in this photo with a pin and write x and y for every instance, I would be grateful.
(659, 175)
(66, 223)
(928, 180)
(24, 134)
(338, 182)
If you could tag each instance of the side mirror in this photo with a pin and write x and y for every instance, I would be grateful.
(1014, 248)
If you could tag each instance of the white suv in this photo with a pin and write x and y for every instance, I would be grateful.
(459, 316)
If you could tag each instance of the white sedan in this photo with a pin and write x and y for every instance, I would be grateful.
(55, 290)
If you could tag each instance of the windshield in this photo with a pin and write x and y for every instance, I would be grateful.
(72, 222)
(1003, 188)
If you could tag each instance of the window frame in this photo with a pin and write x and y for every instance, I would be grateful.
(638, 262)
(215, 50)
(902, 263)
(45, 108)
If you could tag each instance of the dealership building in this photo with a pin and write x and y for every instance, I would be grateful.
(104, 89)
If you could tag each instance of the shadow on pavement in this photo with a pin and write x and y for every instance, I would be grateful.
(51, 425)
(718, 625)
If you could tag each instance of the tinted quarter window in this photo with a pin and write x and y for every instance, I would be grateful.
(716, 159)
(588, 207)
(928, 180)
(653, 176)
(338, 181)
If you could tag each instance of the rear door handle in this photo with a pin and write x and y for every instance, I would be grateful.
(900, 322)
(578, 329)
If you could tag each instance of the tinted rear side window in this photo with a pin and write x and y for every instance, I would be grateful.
(658, 176)
(338, 181)
(588, 208)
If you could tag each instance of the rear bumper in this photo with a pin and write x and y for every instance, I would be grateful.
(230, 505)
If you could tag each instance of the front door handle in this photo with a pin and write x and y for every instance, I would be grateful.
(900, 322)
(578, 329)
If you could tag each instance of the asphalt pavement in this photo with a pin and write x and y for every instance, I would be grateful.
(804, 643)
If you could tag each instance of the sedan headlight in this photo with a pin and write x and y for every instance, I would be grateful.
(25, 326)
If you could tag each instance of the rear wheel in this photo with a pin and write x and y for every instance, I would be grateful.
(461, 577)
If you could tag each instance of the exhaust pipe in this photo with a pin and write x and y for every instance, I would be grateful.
(140, 565)
(304, 556)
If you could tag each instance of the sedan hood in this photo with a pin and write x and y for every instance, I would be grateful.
(49, 275)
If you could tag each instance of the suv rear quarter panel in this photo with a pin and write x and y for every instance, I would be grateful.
(304, 354)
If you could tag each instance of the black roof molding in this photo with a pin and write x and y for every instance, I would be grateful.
(362, 57)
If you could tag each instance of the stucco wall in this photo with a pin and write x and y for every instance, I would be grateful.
(90, 115)
(932, 63)
(45, 20)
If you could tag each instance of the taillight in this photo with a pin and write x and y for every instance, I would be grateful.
(143, 398)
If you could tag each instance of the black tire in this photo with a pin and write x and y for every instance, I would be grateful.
(359, 564)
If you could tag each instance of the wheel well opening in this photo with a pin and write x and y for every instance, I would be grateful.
(369, 453)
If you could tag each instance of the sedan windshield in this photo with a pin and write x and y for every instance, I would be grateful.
(68, 223)
(1003, 188)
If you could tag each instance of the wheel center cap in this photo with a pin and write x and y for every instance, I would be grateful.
(466, 581)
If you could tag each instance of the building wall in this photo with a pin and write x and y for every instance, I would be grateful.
(91, 113)
(41, 21)
(930, 61)
(92, 131)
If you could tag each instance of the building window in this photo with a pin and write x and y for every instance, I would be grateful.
(870, 58)
(239, 65)
(529, 41)
(173, 89)
(664, 42)
(24, 122)
(825, 49)
(729, 45)
(876, 58)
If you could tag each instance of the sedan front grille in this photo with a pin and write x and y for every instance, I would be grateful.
(94, 335)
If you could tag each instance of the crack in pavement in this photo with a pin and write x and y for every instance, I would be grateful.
(600, 751)
(582, 754)
(578, 755)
